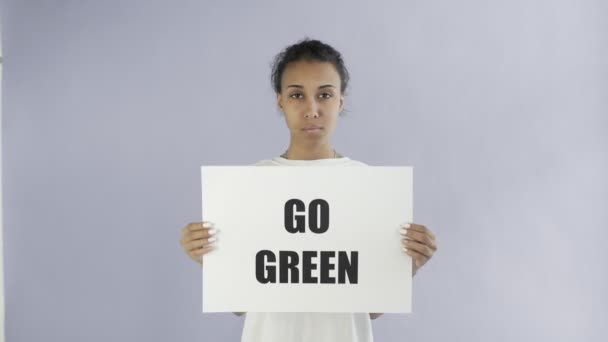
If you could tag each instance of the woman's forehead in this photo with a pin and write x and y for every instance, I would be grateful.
(305, 73)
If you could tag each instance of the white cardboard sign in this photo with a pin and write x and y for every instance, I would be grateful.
(307, 239)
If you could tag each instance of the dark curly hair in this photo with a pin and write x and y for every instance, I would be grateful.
(308, 50)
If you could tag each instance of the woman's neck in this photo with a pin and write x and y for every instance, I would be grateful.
(310, 153)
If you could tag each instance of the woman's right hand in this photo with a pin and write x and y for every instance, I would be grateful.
(198, 239)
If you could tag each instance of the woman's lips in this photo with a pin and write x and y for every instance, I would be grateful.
(312, 129)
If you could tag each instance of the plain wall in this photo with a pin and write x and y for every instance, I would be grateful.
(2, 305)
(110, 108)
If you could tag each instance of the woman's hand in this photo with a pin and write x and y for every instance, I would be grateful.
(419, 243)
(198, 239)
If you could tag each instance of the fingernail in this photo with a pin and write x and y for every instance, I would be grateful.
(212, 239)
(212, 231)
(404, 249)
(403, 231)
(207, 224)
(405, 225)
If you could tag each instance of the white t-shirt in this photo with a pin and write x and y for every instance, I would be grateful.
(307, 326)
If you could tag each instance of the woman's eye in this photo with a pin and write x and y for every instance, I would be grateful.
(298, 95)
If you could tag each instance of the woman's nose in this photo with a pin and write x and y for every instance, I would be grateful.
(311, 109)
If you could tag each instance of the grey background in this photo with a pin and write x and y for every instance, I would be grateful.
(111, 107)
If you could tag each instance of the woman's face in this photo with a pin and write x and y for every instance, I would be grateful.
(310, 97)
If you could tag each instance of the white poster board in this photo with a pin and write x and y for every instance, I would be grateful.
(358, 213)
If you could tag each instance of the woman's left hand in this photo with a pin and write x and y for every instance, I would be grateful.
(419, 243)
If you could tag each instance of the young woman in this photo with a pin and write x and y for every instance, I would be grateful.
(310, 79)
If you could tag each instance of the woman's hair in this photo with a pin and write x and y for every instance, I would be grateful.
(312, 51)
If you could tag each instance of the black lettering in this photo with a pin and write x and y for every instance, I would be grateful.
(289, 263)
(308, 266)
(326, 266)
(270, 276)
(295, 223)
(318, 208)
(346, 266)
(289, 267)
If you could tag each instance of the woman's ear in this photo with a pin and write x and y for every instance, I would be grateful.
(279, 103)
